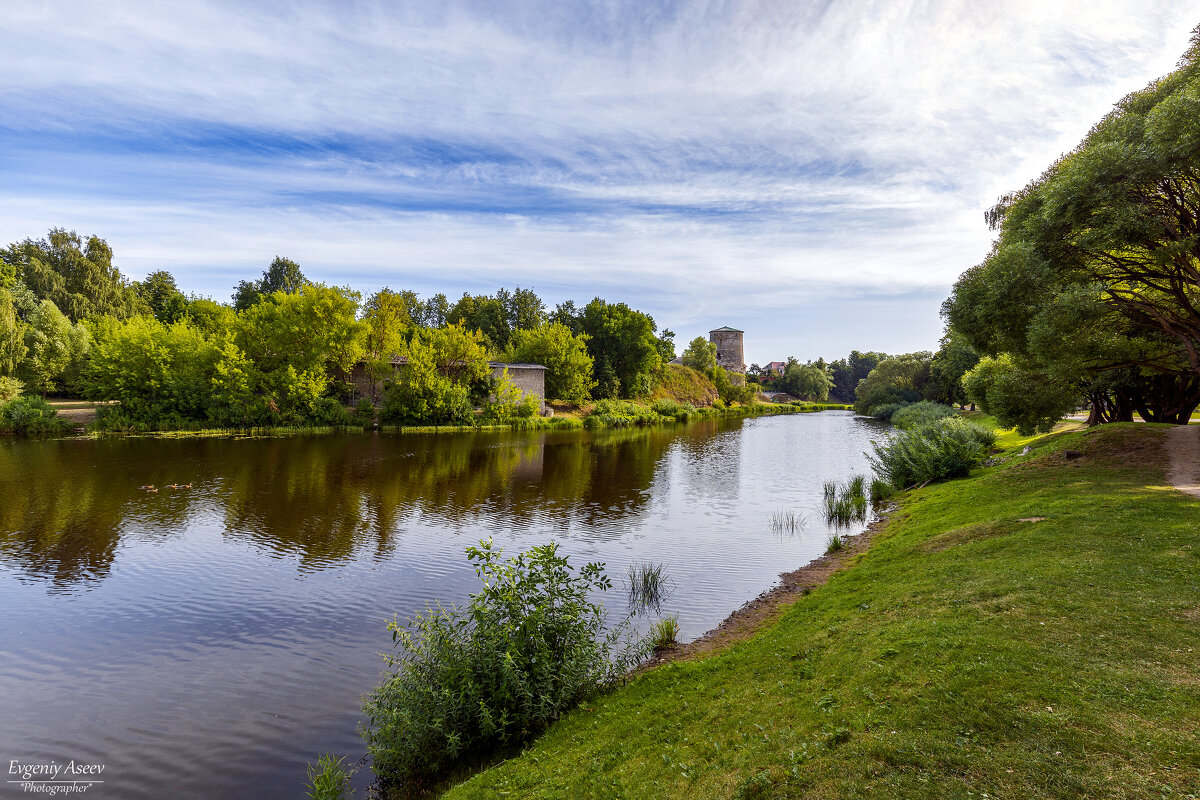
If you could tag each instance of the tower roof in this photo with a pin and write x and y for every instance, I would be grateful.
(726, 328)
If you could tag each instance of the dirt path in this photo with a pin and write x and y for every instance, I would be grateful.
(1183, 449)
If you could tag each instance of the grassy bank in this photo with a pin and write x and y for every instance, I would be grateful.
(1030, 631)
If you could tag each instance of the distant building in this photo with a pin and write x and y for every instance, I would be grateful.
(729, 348)
(776, 367)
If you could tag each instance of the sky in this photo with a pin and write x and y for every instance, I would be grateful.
(813, 173)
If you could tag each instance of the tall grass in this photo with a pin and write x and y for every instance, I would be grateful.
(786, 521)
(847, 503)
(649, 586)
(665, 632)
(328, 779)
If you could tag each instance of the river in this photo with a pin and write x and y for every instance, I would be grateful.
(211, 641)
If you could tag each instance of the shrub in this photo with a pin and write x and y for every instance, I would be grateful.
(947, 448)
(30, 414)
(885, 410)
(9, 389)
(917, 415)
(469, 680)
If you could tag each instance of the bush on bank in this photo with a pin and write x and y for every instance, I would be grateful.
(494, 673)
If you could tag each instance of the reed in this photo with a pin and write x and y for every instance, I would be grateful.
(649, 586)
(665, 632)
(787, 521)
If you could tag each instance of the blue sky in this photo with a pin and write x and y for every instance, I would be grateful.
(812, 173)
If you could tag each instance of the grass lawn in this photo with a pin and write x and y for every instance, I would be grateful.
(1031, 631)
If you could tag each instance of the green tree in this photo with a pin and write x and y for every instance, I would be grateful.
(953, 359)
(1110, 235)
(810, 381)
(1019, 398)
(443, 368)
(212, 318)
(79, 278)
(701, 355)
(847, 372)
(488, 315)
(152, 368)
(896, 379)
(299, 343)
(160, 294)
(12, 336)
(55, 347)
(389, 318)
(283, 275)
(623, 346)
(569, 367)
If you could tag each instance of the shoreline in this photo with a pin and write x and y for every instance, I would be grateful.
(756, 615)
(556, 423)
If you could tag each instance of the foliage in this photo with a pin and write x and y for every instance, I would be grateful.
(1094, 269)
(151, 368)
(564, 355)
(31, 415)
(953, 359)
(947, 448)
(624, 349)
(162, 297)
(10, 388)
(55, 349)
(388, 316)
(684, 385)
(328, 779)
(468, 680)
(283, 275)
(508, 403)
(434, 386)
(701, 355)
(78, 278)
(1019, 398)
(920, 414)
(847, 372)
(12, 336)
(811, 381)
(896, 379)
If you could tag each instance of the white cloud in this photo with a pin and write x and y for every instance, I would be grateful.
(694, 159)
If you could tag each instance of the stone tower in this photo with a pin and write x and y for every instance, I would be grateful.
(729, 348)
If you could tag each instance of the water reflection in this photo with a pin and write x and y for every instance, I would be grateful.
(326, 499)
(208, 642)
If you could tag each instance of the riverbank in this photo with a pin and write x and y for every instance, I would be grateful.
(1030, 631)
(83, 417)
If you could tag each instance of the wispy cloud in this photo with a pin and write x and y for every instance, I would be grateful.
(812, 173)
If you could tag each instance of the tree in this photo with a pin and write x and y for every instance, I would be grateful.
(12, 336)
(847, 372)
(55, 347)
(160, 294)
(569, 368)
(299, 343)
(953, 359)
(488, 315)
(896, 379)
(1110, 235)
(443, 368)
(623, 346)
(78, 278)
(389, 318)
(526, 311)
(701, 355)
(1018, 398)
(283, 275)
(811, 381)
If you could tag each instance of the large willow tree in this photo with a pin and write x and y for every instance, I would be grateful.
(1094, 279)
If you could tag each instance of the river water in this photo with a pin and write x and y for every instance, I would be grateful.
(211, 641)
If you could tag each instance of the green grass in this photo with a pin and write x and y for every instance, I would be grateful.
(967, 654)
